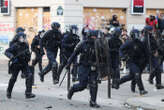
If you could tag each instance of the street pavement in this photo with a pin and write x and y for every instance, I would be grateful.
(53, 97)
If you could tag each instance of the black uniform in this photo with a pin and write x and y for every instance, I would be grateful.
(114, 46)
(156, 65)
(51, 41)
(136, 55)
(69, 43)
(36, 48)
(19, 55)
(87, 70)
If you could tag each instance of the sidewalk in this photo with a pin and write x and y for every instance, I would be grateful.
(146, 103)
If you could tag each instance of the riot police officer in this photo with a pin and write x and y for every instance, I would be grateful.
(69, 42)
(36, 48)
(154, 62)
(87, 68)
(51, 41)
(14, 40)
(114, 46)
(18, 30)
(19, 55)
(135, 53)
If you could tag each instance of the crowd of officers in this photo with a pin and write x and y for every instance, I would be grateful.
(140, 50)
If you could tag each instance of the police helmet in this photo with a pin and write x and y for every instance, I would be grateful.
(19, 36)
(20, 29)
(73, 29)
(117, 32)
(92, 33)
(55, 25)
(135, 34)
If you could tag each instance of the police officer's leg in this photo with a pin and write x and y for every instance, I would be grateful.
(48, 67)
(117, 69)
(12, 80)
(133, 85)
(74, 71)
(29, 77)
(40, 63)
(138, 79)
(116, 78)
(83, 81)
(153, 68)
(32, 69)
(158, 78)
(128, 77)
(93, 89)
(54, 72)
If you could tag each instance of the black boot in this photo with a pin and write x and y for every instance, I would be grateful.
(116, 84)
(23, 76)
(70, 93)
(8, 95)
(41, 77)
(31, 95)
(133, 88)
(151, 81)
(143, 92)
(94, 104)
(55, 81)
(159, 86)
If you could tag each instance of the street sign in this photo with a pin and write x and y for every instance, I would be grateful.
(137, 7)
(5, 7)
(60, 11)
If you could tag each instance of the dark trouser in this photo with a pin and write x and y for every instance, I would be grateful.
(156, 70)
(134, 76)
(115, 69)
(52, 65)
(86, 76)
(16, 68)
(38, 59)
(74, 70)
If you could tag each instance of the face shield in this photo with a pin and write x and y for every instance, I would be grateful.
(41, 35)
(21, 39)
(136, 35)
(74, 31)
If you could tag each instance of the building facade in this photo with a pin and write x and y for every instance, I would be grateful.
(36, 14)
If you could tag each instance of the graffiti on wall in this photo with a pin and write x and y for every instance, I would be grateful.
(6, 34)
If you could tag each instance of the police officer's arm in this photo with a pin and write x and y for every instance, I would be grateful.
(77, 51)
(33, 45)
(9, 52)
(64, 42)
(45, 38)
(123, 51)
